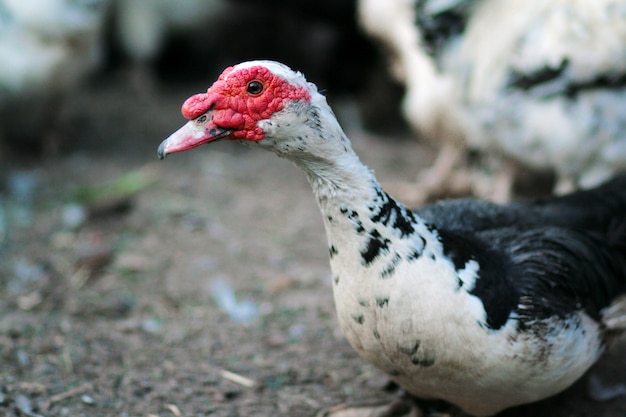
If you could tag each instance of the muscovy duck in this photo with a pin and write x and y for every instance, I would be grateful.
(485, 306)
(541, 83)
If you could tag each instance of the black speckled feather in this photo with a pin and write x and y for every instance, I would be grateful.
(438, 25)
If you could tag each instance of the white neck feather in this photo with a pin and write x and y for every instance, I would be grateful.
(354, 207)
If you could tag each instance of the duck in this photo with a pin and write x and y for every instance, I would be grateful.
(535, 89)
(486, 306)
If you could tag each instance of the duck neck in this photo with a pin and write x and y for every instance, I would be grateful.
(371, 231)
(365, 227)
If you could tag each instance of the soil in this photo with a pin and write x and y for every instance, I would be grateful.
(205, 293)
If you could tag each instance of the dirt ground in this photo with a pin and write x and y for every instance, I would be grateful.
(205, 293)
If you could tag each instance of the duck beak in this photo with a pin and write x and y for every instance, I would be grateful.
(194, 133)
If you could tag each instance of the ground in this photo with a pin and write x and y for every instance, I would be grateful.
(202, 291)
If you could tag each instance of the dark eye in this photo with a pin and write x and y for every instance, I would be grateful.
(254, 88)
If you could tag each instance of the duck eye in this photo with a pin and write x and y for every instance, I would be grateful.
(254, 88)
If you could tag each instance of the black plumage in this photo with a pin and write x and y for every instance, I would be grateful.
(559, 255)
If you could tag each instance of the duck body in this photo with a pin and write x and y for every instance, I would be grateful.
(485, 318)
(482, 305)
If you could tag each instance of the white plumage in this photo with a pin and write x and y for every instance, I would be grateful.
(541, 82)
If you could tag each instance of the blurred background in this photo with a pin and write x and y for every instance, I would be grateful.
(55, 50)
(199, 285)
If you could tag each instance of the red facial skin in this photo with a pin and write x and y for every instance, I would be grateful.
(237, 106)
(232, 107)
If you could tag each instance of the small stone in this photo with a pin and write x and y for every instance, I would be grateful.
(94, 256)
(73, 215)
(86, 399)
(152, 325)
(29, 301)
(276, 340)
(24, 405)
(22, 358)
(132, 262)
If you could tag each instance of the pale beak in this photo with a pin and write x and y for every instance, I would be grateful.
(194, 133)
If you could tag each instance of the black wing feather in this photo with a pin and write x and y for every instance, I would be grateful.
(557, 271)
(550, 257)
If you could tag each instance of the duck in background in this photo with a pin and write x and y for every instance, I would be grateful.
(537, 84)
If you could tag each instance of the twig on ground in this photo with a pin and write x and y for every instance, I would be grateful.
(65, 395)
(238, 379)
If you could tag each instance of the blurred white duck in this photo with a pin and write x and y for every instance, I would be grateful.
(539, 82)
